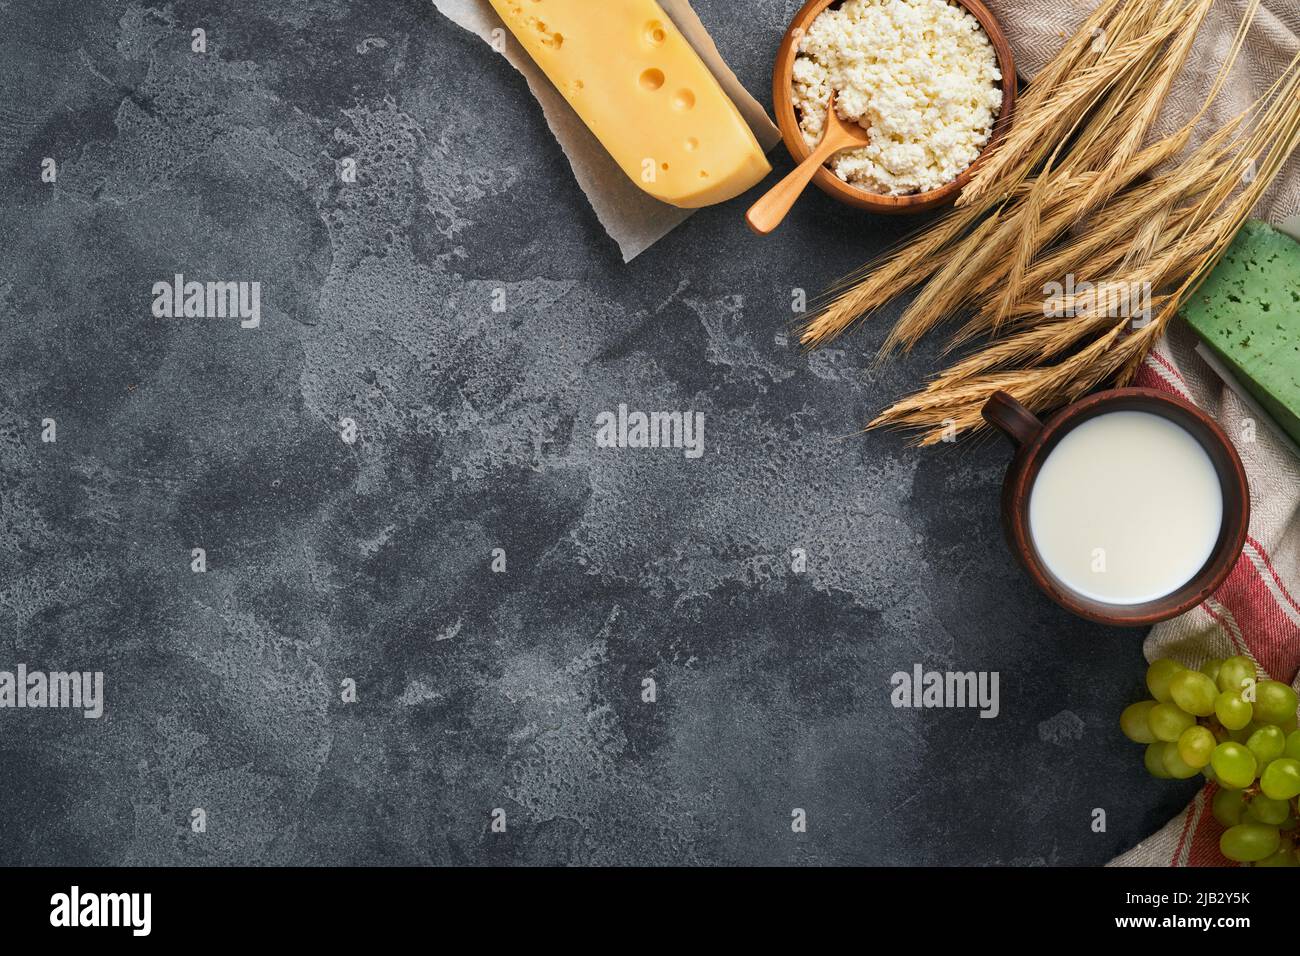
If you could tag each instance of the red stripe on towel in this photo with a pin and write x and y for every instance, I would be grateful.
(1267, 630)
(1205, 841)
(1169, 365)
(1268, 563)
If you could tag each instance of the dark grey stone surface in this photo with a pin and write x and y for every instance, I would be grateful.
(371, 561)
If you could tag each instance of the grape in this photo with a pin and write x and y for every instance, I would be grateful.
(1233, 712)
(1234, 673)
(1234, 764)
(1133, 722)
(1281, 779)
(1267, 743)
(1274, 702)
(1285, 856)
(1195, 746)
(1154, 758)
(1228, 806)
(1178, 768)
(1169, 721)
(1246, 745)
(1248, 842)
(1160, 673)
(1264, 809)
(1194, 692)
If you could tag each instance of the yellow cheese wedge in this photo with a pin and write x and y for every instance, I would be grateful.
(646, 94)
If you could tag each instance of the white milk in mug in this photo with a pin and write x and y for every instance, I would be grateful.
(1126, 508)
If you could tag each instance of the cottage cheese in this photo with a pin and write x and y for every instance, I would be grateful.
(920, 75)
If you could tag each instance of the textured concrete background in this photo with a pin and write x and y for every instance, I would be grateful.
(371, 561)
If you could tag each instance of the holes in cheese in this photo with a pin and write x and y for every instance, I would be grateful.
(652, 79)
(645, 93)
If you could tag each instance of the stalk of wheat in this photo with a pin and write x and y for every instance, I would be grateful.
(1075, 188)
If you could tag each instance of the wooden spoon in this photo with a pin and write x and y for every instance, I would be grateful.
(766, 214)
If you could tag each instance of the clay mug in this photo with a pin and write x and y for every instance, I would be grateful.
(1035, 439)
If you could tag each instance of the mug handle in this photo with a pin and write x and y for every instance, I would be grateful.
(1011, 418)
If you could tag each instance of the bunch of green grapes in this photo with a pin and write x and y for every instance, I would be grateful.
(1239, 731)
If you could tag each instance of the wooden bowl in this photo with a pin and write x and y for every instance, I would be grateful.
(827, 181)
(1034, 441)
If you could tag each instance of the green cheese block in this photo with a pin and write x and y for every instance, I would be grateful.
(1248, 312)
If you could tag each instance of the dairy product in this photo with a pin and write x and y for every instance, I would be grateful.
(645, 93)
(920, 75)
(1248, 312)
(1126, 508)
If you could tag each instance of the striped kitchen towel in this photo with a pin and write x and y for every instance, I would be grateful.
(1257, 610)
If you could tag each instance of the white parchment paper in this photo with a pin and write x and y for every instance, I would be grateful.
(633, 219)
